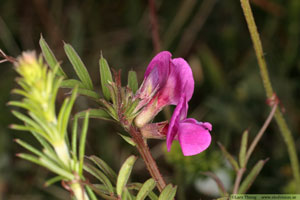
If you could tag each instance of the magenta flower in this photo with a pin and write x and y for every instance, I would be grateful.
(193, 136)
(165, 80)
(170, 81)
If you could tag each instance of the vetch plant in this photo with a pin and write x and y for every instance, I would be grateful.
(167, 81)
(39, 86)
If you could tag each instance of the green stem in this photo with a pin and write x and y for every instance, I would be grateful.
(79, 192)
(285, 132)
(147, 157)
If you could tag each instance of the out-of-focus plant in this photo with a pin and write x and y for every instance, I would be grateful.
(39, 88)
(240, 167)
(284, 129)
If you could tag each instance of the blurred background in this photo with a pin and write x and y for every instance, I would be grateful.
(211, 35)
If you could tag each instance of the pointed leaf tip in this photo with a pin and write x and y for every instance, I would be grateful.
(229, 157)
(124, 174)
(78, 66)
(132, 81)
(243, 149)
(105, 76)
(50, 58)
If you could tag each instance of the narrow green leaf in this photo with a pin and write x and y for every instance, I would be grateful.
(48, 128)
(74, 140)
(229, 157)
(101, 193)
(88, 93)
(147, 187)
(25, 119)
(138, 186)
(111, 111)
(29, 148)
(71, 83)
(105, 76)
(127, 195)
(79, 67)
(243, 149)
(131, 108)
(30, 129)
(53, 180)
(19, 104)
(65, 111)
(105, 168)
(91, 193)
(48, 150)
(30, 158)
(100, 176)
(129, 140)
(56, 169)
(95, 113)
(246, 184)
(50, 58)
(168, 193)
(132, 81)
(124, 174)
(102, 188)
(82, 142)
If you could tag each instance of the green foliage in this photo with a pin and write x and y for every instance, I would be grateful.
(168, 192)
(229, 157)
(79, 67)
(243, 149)
(190, 166)
(39, 88)
(228, 89)
(132, 81)
(50, 58)
(113, 186)
(106, 77)
(147, 187)
(124, 174)
(251, 176)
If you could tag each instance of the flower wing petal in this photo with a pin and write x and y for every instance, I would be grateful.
(193, 137)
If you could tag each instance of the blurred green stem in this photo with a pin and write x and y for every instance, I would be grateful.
(286, 133)
(79, 191)
(257, 138)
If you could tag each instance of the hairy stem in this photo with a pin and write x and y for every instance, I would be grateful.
(285, 132)
(147, 157)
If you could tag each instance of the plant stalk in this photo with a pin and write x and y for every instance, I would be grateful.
(260, 133)
(285, 132)
(238, 179)
(147, 157)
(79, 192)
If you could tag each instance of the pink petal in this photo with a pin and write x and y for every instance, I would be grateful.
(179, 113)
(180, 81)
(155, 77)
(193, 137)
(161, 64)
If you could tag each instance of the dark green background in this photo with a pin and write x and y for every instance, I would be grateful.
(210, 34)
